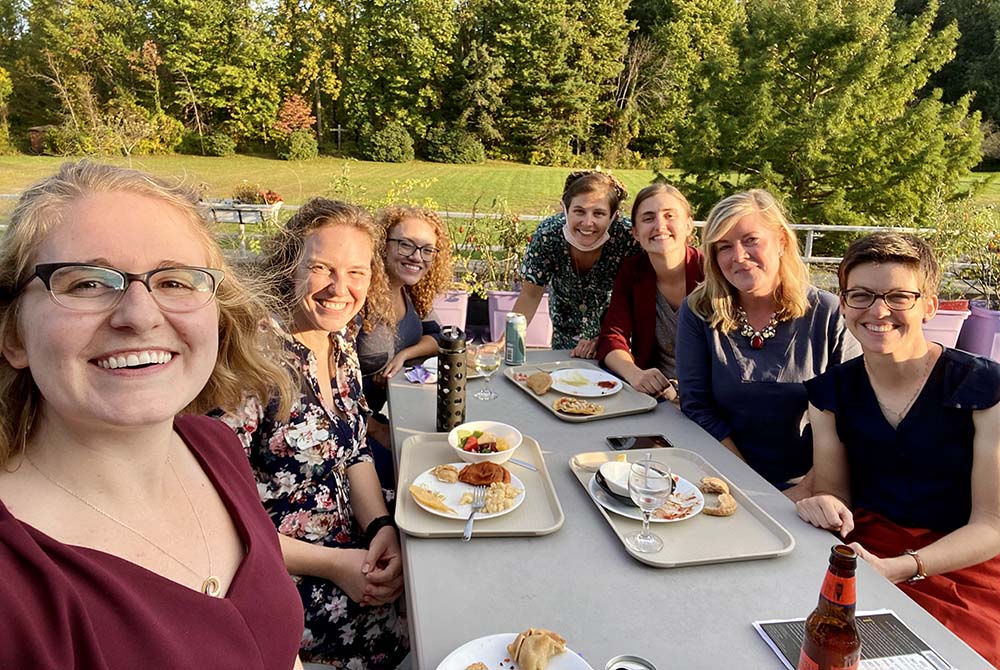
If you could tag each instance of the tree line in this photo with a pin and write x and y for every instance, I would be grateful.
(856, 109)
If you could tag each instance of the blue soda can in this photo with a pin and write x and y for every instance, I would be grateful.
(517, 327)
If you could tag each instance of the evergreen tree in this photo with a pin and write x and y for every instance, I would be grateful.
(816, 100)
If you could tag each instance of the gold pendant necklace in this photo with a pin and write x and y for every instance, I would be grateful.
(211, 586)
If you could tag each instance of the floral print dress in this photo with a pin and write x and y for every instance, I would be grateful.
(577, 302)
(301, 469)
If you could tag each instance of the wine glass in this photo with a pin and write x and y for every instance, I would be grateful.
(650, 483)
(488, 358)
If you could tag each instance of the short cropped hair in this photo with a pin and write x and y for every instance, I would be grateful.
(284, 251)
(888, 247)
(714, 299)
(249, 358)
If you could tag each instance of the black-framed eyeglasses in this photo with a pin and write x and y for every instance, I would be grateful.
(898, 300)
(407, 248)
(95, 288)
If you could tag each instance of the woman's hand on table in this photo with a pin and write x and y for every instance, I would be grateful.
(826, 511)
(390, 369)
(585, 348)
(383, 568)
(651, 381)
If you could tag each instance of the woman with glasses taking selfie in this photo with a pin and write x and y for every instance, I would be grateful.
(132, 535)
(906, 442)
(417, 257)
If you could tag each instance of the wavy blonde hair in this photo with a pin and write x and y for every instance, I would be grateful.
(438, 277)
(249, 360)
(284, 251)
(714, 300)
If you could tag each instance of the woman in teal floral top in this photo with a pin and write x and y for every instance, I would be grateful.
(577, 254)
(314, 471)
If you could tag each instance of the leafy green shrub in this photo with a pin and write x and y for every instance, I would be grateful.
(300, 145)
(166, 136)
(454, 146)
(219, 144)
(390, 144)
(65, 140)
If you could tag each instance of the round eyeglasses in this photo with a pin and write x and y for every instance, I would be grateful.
(897, 301)
(407, 248)
(95, 288)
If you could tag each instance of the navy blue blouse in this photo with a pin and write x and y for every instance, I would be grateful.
(919, 474)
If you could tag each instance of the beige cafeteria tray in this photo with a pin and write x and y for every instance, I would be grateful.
(539, 514)
(749, 534)
(627, 401)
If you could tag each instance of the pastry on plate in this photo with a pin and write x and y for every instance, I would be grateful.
(478, 665)
(533, 648)
(568, 405)
(446, 473)
(539, 382)
(484, 474)
(429, 498)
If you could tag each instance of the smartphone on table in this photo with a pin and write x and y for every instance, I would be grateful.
(623, 442)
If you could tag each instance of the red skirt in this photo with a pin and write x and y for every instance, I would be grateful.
(967, 601)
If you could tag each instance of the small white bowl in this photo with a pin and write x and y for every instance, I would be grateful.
(616, 475)
(509, 433)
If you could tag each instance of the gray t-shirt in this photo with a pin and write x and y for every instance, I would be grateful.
(666, 337)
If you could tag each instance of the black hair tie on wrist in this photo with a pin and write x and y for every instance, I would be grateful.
(377, 524)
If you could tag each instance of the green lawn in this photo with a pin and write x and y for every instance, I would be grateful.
(528, 189)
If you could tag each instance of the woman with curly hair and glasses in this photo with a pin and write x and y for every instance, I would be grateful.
(131, 530)
(314, 468)
(418, 266)
(576, 255)
(751, 334)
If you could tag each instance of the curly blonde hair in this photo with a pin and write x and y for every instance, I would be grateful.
(284, 251)
(250, 358)
(438, 277)
(714, 300)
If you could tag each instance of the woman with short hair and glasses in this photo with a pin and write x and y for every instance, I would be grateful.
(418, 264)
(751, 333)
(132, 534)
(314, 467)
(906, 442)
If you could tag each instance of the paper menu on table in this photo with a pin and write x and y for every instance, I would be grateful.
(886, 643)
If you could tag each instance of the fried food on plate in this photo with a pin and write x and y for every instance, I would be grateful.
(713, 485)
(429, 498)
(484, 474)
(533, 648)
(725, 507)
(478, 665)
(539, 382)
(568, 405)
(446, 473)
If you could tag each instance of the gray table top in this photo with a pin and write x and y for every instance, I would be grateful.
(581, 582)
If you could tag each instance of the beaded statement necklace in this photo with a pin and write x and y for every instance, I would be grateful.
(757, 337)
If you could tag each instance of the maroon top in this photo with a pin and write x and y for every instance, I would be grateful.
(630, 322)
(64, 606)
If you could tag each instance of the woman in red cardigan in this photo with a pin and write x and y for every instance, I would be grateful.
(639, 329)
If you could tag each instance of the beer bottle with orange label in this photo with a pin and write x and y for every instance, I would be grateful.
(831, 641)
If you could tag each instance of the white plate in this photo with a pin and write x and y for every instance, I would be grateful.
(492, 650)
(431, 364)
(453, 493)
(582, 382)
(684, 489)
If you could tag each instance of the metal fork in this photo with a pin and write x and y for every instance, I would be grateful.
(478, 502)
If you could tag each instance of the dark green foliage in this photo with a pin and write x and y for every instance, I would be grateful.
(300, 145)
(389, 144)
(453, 146)
(219, 144)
